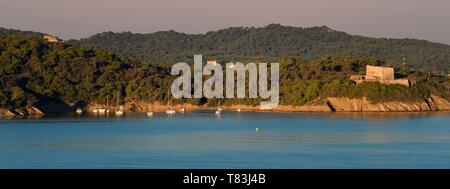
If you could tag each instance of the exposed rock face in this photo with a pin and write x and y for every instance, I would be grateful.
(21, 112)
(33, 111)
(305, 108)
(4, 112)
(157, 106)
(438, 103)
(363, 105)
(338, 104)
(160, 107)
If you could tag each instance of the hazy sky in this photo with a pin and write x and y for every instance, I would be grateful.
(422, 19)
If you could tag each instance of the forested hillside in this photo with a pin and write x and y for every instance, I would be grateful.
(271, 42)
(5, 32)
(35, 72)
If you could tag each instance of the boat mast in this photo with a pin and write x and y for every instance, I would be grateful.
(150, 102)
(117, 100)
(169, 99)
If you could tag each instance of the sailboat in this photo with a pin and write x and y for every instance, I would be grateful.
(95, 110)
(182, 110)
(98, 110)
(219, 110)
(107, 105)
(101, 110)
(150, 112)
(119, 110)
(169, 110)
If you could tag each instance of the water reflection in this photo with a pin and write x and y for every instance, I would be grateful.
(235, 139)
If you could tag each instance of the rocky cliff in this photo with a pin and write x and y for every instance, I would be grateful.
(438, 104)
(21, 112)
(341, 104)
(363, 105)
(160, 107)
(333, 104)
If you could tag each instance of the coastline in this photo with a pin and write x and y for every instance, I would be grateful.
(332, 104)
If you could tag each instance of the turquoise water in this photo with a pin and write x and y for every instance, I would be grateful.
(203, 140)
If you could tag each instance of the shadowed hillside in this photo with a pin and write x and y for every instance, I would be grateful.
(5, 32)
(34, 72)
(270, 42)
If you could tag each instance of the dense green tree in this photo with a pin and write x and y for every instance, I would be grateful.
(4, 99)
(33, 72)
(270, 43)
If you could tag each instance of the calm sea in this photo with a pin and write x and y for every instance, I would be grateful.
(203, 140)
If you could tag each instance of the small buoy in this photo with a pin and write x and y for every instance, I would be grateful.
(257, 129)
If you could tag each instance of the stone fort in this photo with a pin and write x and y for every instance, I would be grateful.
(380, 74)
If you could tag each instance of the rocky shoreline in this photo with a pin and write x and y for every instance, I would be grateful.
(332, 104)
(434, 103)
(21, 112)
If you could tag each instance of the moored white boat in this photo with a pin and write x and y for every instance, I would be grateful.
(119, 112)
(219, 109)
(170, 111)
(119, 109)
